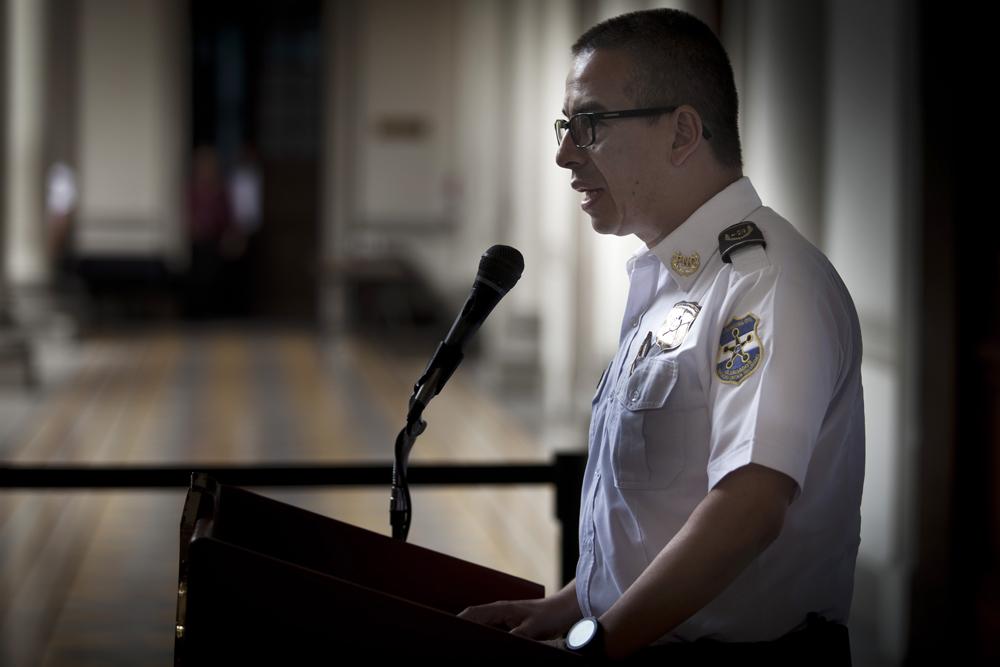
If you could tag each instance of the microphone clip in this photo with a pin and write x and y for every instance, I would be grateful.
(442, 365)
(446, 359)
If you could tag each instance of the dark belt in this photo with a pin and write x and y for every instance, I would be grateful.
(820, 643)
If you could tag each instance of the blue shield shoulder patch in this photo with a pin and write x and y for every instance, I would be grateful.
(740, 349)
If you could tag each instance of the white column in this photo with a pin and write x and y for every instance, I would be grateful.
(481, 129)
(525, 113)
(338, 165)
(557, 219)
(782, 105)
(867, 237)
(24, 221)
(543, 222)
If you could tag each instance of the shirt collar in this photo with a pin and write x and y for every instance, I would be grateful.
(641, 256)
(687, 249)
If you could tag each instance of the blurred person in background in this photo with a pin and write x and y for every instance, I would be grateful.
(61, 196)
(209, 222)
(720, 512)
(240, 244)
(60, 205)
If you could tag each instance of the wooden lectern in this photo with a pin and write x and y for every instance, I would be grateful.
(265, 582)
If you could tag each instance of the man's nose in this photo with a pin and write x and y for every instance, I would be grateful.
(568, 155)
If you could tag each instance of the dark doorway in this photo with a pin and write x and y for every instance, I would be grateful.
(956, 584)
(256, 104)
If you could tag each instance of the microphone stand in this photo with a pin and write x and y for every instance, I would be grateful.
(427, 387)
(499, 269)
(400, 510)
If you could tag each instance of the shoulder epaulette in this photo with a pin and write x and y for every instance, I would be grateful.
(740, 235)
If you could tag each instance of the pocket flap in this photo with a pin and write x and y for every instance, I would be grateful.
(650, 384)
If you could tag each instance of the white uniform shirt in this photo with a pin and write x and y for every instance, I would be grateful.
(789, 397)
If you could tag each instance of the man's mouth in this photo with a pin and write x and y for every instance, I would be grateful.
(590, 197)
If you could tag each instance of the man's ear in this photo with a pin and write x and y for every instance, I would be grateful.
(687, 133)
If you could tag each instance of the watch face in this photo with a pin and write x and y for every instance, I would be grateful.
(581, 633)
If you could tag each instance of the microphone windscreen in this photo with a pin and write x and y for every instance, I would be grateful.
(501, 267)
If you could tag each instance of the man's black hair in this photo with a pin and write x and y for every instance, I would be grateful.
(678, 60)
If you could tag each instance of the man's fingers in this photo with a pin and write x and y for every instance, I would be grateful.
(487, 614)
(473, 614)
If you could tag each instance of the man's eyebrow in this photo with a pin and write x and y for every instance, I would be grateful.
(587, 106)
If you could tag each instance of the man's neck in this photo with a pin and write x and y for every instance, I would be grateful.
(699, 192)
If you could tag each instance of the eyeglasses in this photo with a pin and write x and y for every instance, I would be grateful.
(581, 126)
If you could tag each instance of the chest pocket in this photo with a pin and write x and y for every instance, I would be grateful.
(647, 445)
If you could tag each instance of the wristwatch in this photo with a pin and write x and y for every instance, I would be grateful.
(586, 637)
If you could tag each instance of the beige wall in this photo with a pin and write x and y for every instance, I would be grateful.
(409, 76)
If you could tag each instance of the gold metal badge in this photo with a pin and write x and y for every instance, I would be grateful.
(679, 321)
(685, 265)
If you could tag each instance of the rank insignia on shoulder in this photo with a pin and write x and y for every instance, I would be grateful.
(740, 349)
(738, 236)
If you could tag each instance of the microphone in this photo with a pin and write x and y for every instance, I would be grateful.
(499, 270)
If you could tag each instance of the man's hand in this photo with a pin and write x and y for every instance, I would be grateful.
(547, 618)
(535, 619)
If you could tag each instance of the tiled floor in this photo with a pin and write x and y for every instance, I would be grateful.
(88, 577)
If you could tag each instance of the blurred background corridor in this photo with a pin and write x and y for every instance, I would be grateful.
(233, 233)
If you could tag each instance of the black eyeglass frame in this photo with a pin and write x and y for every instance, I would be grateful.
(563, 125)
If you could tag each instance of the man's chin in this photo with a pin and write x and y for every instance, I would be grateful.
(603, 226)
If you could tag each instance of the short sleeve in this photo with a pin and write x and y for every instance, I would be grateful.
(775, 370)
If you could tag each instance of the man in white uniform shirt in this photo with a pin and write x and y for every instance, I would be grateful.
(720, 513)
